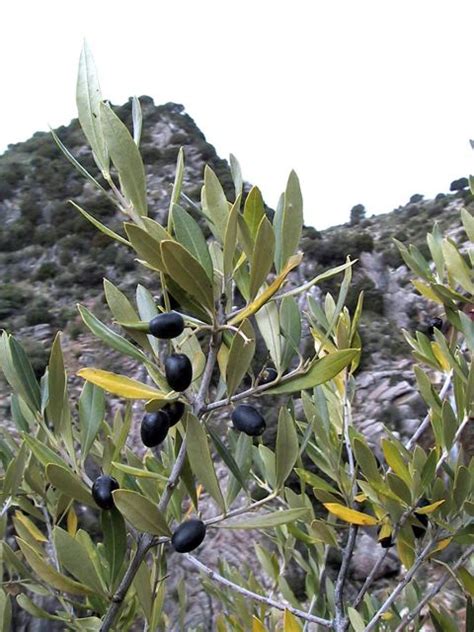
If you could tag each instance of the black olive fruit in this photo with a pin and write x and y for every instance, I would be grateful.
(102, 491)
(167, 325)
(174, 410)
(385, 542)
(178, 371)
(188, 536)
(419, 531)
(434, 323)
(247, 419)
(268, 375)
(154, 428)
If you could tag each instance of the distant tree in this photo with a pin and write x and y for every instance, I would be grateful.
(459, 185)
(357, 214)
(415, 198)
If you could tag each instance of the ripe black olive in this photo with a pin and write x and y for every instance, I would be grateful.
(102, 491)
(385, 542)
(433, 323)
(418, 531)
(154, 428)
(247, 419)
(268, 375)
(179, 371)
(167, 325)
(188, 536)
(174, 410)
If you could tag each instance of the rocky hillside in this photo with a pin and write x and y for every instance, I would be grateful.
(52, 258)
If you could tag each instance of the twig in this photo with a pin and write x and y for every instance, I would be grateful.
(434, 591)
(406, 580)
(255, 596)
(340, 620)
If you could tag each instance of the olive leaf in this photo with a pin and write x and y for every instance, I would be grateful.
(103, 229)
(74, 557)
(262, 259)
(120, 385)
(240, 356)
(126, 158)
(288, 222)
(91, 415)
(69, 484)
(145, 245)
(267, 520)
(115, 542)
(254, 210)
(189, 234)
(214, 204)
(350, 515)
(200, 459)
(287, 448)
(321, 371)
(140, 512)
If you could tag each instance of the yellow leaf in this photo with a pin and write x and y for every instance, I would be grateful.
(387, 616)
(71, 522)
(439, 355)
(351, 515)
(266, 295)
(426, 291)
(290, 623)
(257, 625)
(30, 526)
(385, 531)
(441, 545)
(120, 385)
(429, 508)
(360, 498)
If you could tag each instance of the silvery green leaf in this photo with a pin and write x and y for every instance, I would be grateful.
(137, 120)
(189, 234)
(88, 100)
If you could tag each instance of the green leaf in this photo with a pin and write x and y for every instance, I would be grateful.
(140, 512)
(189, 234)
(462, 486)
(145, 245)
(288, 222)
(124, 312)
(290, 320)
(200, 459)
(396, 462)
(268, 520)
(214, 204)
(126, 158)
(110, 337)
(320, 372)
(142, 584)
(356, 620)
(103, 229)
(243, 458)
(468, 223)
(287, 447)
(42, 452)
(262, 259)
(15, 471)
(366, 460)
(88, 101)
(69, 484)
(178, 180)
(30, 390)
(137, 472)
(74, 557)
(230, 239)
(56, 384)
(35, 611)
(254, 210)
(457, 266)
(240, 356)
(120, 385)
(91, 415)
(48, 574)
(268, 321)
(236, 175)
(187, 272)
(226, 456)
(115, 542)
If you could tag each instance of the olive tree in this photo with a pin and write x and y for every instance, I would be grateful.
(200, 363)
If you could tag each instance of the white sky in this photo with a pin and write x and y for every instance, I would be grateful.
(368, 100)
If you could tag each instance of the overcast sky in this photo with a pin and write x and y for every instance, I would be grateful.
(369, 101)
